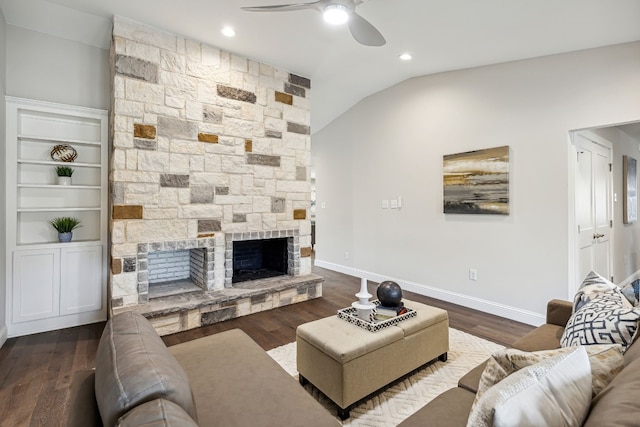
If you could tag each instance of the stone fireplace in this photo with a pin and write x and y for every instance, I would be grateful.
(209, 149)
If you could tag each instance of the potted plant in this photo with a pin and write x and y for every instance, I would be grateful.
(65, 225)
(64, 175)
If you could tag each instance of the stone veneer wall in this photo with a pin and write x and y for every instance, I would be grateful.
(206, 144)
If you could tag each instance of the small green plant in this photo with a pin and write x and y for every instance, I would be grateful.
(65, 224)
(64, 171)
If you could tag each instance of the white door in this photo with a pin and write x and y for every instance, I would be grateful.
(36, 283)
(593, 207)
(81, 279)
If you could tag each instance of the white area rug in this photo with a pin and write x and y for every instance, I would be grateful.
(391, 406)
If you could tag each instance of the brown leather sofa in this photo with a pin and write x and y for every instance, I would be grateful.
(617, 405)
(225, 379)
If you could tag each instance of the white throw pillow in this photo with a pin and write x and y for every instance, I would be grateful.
(554, 392)
(605, 360)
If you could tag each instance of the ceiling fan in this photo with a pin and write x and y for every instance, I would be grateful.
(334, 11)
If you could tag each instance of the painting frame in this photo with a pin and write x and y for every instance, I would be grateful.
(477, 182)
(629, 190)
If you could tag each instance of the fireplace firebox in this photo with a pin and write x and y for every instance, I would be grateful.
(259, 259)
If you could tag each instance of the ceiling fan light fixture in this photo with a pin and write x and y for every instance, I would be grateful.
(335, 14)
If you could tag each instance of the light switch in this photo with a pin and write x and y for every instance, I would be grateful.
(385, 204)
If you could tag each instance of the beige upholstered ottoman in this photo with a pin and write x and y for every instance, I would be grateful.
(347, 362)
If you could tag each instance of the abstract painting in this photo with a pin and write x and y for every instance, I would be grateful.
(477, 182)
(629, 190)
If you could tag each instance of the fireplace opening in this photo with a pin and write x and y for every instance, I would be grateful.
(176, 272)
(259, 259)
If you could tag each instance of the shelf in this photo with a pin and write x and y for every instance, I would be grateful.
(58, 140)
(53, 163)
(58, 209)
(52, 283)
(61, 187)
(73, 243)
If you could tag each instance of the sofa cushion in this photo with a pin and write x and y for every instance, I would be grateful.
(618, 404)
(606, 362)
(544, 337)
(554, 392)
(603, 320)
(449, 409)
(243, 386)
(471, 379)
(134, 366)
(156, 413)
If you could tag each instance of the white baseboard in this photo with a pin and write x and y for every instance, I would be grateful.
(513, 313)
(3, 335)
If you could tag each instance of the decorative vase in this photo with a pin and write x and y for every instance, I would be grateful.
(363, 306)
(64, 180)
(65, 237)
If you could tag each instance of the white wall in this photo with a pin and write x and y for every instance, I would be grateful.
(49, 68)
(626, 237)
(3, 246)
(391, 144)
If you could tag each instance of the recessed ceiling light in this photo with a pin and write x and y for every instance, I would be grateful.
(406, 57)
(228, 31)
(336, 14)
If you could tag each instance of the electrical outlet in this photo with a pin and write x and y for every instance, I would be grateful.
(385, 204)
(394, 204)
(473, 274)
(346, 255)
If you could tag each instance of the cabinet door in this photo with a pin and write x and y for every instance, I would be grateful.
(81, 279)
(36, 284)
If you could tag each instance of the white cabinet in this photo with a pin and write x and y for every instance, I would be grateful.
(50, 284)
(36, 284)
(80, 267)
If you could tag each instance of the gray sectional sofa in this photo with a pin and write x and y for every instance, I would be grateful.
(617, 405)
(225, 379)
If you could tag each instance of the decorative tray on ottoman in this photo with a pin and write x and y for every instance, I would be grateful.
(350, 314)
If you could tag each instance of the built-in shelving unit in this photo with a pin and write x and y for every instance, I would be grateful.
(50, 284)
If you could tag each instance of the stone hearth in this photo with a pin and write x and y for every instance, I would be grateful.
(194, 309)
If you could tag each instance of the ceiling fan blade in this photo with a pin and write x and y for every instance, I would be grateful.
(364, 32)
(282, 7)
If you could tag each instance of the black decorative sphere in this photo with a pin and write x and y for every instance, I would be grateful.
(389, 294)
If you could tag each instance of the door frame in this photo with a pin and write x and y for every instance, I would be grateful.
(572, 280)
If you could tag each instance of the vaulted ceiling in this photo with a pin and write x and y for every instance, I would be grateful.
(442, 35)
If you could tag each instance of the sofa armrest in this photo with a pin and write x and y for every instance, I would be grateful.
(82, 410)
(559, 311)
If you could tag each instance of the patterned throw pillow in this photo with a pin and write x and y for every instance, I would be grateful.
(602, 321)
(632, 292)
(553, 392)
(594, 286)
(605, 360)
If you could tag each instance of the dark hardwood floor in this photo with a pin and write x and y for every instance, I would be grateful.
(36, 370)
